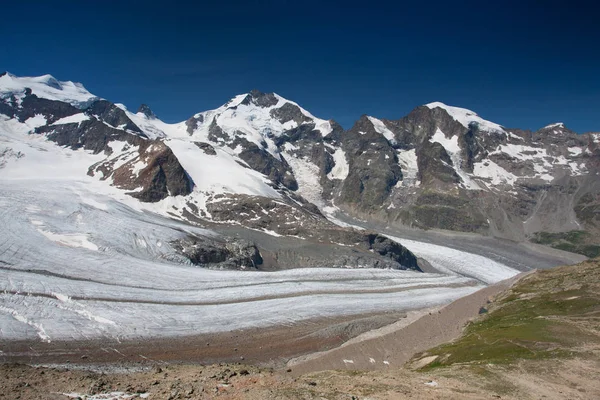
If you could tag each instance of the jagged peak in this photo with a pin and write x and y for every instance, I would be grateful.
(554, 125)
(556, 128)
(466, 117)
(147, 111)
(260, 99)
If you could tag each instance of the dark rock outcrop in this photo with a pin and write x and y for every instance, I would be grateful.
(147, 111)
(206, 148)
(373, 165)
(193, 122)
(262, 161)
(93, 135)
(222, 254)
(161, 175)
(260, 99)
(113, 116)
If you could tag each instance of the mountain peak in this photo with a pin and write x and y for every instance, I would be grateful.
(261, 99)
(47, 87)
(147, 111)
(50, 81)
(557, 128)
(466, 117)
(554, 125)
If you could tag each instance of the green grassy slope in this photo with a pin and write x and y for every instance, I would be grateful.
(548, 314)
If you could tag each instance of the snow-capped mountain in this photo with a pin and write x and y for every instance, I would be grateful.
(264, 162)
(107, 212)
(223, 166)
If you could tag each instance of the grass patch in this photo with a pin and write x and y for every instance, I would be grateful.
(579, 242)
(543, 316)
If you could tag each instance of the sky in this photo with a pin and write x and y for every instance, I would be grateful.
(522, 64)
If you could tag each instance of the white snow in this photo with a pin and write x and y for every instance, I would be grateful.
(513, 136)
(453, 150)
(575, 151)
(341, 169)
(307, 176)
(70, 240)
(519, 151)
(451, 145)
(35, 122)
(382, 129)
(555, 125)
(466, 117)
(73, 119)
(221, 173)
(112, 292)
(454, 261)
(47, 87)
(543, 163)
(41, 158)
(249, 121)
(155, 128)
(492, 171)
(408, 164)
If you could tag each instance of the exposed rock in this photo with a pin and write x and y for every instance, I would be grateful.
(206, 148)
(260, 99)
(31, 105)
(262, 161)
(113, 116)
(226, 254)
(147, 111)
(193, 122)
(91, 135)
(373, 166)
(289, 112)
(153, 173)
(393, 250)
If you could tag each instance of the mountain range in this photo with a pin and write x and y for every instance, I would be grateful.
(264, 163)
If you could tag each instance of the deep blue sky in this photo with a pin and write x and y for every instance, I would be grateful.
(518, 63)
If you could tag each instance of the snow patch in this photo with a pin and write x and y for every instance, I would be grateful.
(495, 173)
(341, 169)
(382, 129)
(70, 240)
(220, 173)
(72, 119)
(453, 150)
(555, 125)
(575, 151)
(409, 166)
(308, 177)
(466, 117)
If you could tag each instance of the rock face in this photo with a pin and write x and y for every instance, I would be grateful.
(226, 254)
(151, 172)
(148, 168)
(373, 167)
